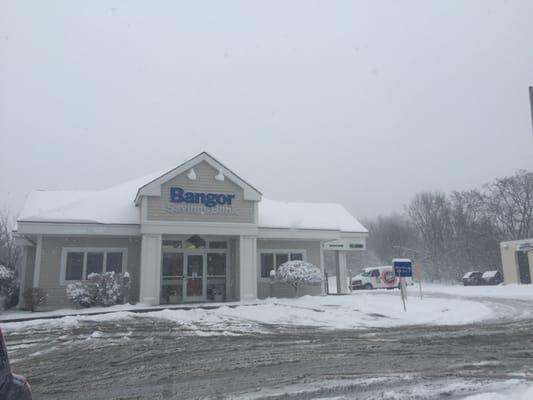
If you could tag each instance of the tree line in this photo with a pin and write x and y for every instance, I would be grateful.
(452, 233)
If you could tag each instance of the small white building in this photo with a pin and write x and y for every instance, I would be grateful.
(198, 232)
(517, 261)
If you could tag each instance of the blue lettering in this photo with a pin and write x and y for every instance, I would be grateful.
(178, 195)
(189, 197)
(211, 200)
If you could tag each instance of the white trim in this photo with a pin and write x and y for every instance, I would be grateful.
(346, 244)
(38, 258)
(76, 228)
(275, 252)
(62, 271)
(153, 188)
(198, 228)
(283, 233)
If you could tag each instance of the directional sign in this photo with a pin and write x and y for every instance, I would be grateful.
(403, 267)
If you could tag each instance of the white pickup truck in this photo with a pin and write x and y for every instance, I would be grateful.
(377, 278)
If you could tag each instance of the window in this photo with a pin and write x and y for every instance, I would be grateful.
(267, 264)
(78, 263)
(218, 244)
(297, 256)
(74, 266)
(95, 263)
(281, 258)
(216, 276)
(272, 259)
(173, 264)
(175, 244)
(114, 262)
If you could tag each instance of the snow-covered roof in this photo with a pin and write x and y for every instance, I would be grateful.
(109, 206)
(489, 274)
(116, 206)
(294, 215)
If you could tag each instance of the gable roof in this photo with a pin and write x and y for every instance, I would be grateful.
(153, 187)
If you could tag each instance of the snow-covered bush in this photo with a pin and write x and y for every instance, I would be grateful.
(9, 288)
(104, 289)
(34, 297)
(81, 294)
(297, 272)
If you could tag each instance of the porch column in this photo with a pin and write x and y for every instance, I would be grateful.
(150, 279)
(37, 267)
(247, 268)
(323, 288)
(342, 272)
(22, 276)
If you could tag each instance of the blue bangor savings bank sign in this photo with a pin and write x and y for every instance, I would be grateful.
(178, 195)
(403, 268)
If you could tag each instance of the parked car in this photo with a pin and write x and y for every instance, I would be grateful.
(377, 278)
(491, 278)
(12, 387)
(472, 278)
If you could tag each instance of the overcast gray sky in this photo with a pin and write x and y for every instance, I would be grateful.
(359, 102)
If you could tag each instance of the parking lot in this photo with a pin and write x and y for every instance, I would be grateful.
(157, 359)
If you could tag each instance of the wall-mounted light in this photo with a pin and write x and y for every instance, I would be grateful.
(219, 176)
(191, 175)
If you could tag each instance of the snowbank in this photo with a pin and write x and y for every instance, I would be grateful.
(358, 311)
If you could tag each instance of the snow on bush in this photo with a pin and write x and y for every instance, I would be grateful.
(9, 288)
(297, 273)
(104, 289)
(81, 294)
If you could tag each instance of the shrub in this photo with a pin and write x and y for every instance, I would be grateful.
(104, 289)
(81, 294)
(9, 288)
(34, 297)
(297, 273)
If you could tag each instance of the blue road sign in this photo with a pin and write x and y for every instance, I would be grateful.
(403, 268)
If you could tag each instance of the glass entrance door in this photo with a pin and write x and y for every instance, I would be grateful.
(194, 278)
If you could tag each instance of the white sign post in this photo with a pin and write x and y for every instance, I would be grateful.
(403, 268)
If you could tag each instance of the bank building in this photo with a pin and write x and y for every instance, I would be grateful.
(195, 233)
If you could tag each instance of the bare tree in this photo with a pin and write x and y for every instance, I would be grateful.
(430, 213)
(475, 236)
(10, 255)
(387, 233)
(510, 203)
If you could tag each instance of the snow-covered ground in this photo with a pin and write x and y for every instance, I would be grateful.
(501, 291)
(359, 310)
(356, 311)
